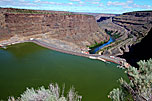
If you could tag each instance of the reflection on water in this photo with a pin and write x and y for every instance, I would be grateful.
(29, 65)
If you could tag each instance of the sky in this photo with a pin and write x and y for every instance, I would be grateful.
(92, 6)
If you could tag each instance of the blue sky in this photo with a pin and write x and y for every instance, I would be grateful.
(94, 6)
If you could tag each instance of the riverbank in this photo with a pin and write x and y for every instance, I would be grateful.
(103, 58)
(101, 46)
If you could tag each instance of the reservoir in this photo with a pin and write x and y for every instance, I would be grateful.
(29, 65)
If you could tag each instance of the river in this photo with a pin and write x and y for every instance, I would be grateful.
(100, 47)
(29, 65)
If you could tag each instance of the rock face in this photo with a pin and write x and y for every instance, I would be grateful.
(81, 30)
(137, 23)
(128, 29)
(139, 51)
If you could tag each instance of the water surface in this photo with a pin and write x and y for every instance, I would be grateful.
(102, 46)
(29, 65)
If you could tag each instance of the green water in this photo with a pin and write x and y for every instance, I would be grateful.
(29, 65)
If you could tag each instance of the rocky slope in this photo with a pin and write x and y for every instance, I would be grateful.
(139, 51)
(137, 23)
(128, 29)
(78, 29)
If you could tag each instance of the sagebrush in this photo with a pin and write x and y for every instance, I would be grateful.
(53, 93)
(140, 86)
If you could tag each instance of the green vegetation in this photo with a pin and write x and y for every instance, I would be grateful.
(105, 48)
(112, 45)
(140, 86)
(97, 44)
(115, 35)
(108, 32)
(51, 94)
(27, 11)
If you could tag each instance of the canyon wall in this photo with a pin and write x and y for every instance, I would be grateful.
(128, 29)
(139, 51)
(137, 23)
(79, 29)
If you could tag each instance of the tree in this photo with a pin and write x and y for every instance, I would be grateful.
(51, 94)
(140, 86)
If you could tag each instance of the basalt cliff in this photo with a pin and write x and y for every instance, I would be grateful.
(75, 31)
(65, 29)
(130, 30)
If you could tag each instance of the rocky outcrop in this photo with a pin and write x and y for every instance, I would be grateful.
(137, 23)
(128, 29)
(81, 30)
(139, 51)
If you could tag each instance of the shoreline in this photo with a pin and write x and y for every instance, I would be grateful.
(103, 58)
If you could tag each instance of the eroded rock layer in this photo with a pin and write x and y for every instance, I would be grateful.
(81, 30)
(139, 51)
(128, 29)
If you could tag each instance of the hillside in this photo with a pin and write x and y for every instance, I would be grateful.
(128, 29)
(72, 30)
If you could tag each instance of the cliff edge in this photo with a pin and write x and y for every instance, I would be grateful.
(73, 30)
(127, 29)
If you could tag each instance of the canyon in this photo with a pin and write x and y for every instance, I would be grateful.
(132, 32)
(128, 29)
(76, 31)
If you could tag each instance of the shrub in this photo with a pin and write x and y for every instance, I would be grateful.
(51, 94)
(140, 86)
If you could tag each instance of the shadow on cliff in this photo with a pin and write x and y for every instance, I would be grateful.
(103, 18)
(140, 51)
